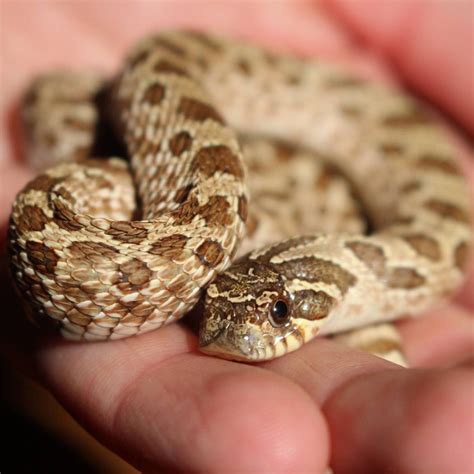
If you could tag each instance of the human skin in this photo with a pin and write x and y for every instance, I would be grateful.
(154, 399)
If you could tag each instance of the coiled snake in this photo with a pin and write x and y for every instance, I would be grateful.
(86, 257)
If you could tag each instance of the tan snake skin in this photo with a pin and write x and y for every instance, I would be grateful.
(83, 256)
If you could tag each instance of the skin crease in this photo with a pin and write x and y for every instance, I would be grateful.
(154, 399)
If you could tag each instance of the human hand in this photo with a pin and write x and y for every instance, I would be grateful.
(159, 403)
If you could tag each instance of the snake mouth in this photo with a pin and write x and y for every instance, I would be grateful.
(224, 343)
(217, 350)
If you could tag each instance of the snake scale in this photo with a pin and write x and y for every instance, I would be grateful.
(105, 256)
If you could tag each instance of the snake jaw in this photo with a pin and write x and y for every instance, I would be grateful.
(224, 345)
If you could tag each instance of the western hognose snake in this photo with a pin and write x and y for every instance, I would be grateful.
(85, 256)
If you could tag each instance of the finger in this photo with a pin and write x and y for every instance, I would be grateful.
(429, 42)
(397, 421)
(444, 337)
(166, 408)
(366, 398)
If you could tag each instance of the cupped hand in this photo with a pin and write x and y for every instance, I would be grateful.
(158, 402)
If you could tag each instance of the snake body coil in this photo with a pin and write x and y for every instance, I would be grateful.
(82, 255)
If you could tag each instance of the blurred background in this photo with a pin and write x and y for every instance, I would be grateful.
(40, 436)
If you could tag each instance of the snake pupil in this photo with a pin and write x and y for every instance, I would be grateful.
(279, 313)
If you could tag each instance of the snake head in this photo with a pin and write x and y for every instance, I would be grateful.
(249, 315)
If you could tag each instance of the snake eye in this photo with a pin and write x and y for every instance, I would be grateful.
(279, 313)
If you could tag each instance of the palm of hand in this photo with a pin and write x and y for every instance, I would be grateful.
(162, 405)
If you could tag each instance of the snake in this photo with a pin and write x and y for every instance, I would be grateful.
(101, 247)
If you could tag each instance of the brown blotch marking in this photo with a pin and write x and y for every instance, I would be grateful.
(391, 149)
(210, 253)
(186, 212)
(64, 217)
(325, 178)
(32, 218)
(205, 40)
(140, 57)
(434, 162)
(154, 93)
(164, 66)
(136, 272)
(197, 110)
(92, 249)
(180, 143)
(169, 46)
(243, 208)
(406, 119)
(284, 151)
(42, 182)
(374, 258)
(410, 187)
(212, 159)
(183, 193)
(447, 210)
(424, 246)
(215, 211)
(42, 257)
(77, 124)
(317, 269)
(50, 139)
(371, 255)
(169, 247)
(128, 232)
(406, 278)
(461, 255)
(244, 67)
(293, 80)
